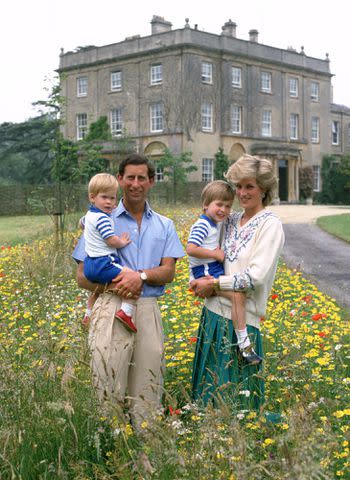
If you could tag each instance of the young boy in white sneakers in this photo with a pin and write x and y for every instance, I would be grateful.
(102, 263)
(206, 257)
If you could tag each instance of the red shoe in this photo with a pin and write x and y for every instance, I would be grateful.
(126, 320)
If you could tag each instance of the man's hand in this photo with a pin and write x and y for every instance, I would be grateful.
(127, 284)
(203, 287)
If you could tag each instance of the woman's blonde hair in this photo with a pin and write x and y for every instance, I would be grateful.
(260, 169)
(101, 183)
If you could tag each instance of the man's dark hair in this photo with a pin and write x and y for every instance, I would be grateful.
(136, 159)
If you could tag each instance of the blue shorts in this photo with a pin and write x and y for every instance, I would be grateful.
(215, 269)
(102, 269)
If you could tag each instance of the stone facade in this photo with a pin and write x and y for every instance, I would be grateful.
(190, 90)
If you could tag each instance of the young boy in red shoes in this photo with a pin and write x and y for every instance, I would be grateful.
(102, 264)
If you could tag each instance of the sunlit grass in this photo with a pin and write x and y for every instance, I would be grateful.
(50, 423)
(337, 225)
(22, 229)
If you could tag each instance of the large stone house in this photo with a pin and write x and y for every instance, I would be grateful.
(190, 90)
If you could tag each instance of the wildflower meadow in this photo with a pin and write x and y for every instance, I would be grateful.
(51, 426)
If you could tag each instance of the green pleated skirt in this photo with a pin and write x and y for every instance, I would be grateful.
(219, 376)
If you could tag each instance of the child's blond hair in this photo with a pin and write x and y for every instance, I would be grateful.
(102, 183)
(217, 190)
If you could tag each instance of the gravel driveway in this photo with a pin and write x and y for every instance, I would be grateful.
(322, 258)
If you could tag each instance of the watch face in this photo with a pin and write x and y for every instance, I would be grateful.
(143, 276)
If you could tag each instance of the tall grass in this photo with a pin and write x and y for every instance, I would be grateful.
(51, 425)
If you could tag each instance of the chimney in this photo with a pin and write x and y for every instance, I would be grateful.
(229, 29)
(253, 36)
(159, 25)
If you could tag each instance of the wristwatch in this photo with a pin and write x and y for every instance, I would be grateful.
(143, 276)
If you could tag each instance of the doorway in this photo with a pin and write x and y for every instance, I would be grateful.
(283, 180)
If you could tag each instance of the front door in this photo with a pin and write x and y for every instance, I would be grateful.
(283, 180)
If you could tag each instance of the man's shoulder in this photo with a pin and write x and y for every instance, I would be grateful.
(161, 218)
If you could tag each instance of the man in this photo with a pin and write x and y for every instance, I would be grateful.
(123, 362)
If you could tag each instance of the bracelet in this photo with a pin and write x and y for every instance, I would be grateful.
(216, 284)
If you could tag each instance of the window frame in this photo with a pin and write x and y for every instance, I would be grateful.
(266, 124)
(82, 86)
(156, 74)
(335, 132)
(293, 126)
(238, 83)
(315, 129)
(207, 76)
(293, 93)
(207, 169)
(315, 95)
(119, 85)
(316, 170)
(265, 81)
(207, 117)
(159, 172)
(81, 127)
(115, 132)
(238, 120)
(156, 117)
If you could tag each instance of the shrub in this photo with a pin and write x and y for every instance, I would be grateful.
(306, 182)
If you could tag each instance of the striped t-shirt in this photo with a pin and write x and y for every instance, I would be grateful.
(98, 227)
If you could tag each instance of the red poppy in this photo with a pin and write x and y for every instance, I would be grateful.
(307, 299)
(317, 317)
(190, 291)
(274, 296)
(168, 290)
(192, 340)
(303, 314)
(321, 334)
(174, 412)
(196, 302)
(2, 274)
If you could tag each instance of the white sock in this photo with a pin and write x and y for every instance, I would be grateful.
(242, 338)
(128, 308)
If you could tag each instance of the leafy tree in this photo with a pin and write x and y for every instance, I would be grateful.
(25, 150)
(176, 168)
(335, 173)
(99, 131)
(90, 159)
(221, 164)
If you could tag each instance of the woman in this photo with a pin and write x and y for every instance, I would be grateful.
(252, 240)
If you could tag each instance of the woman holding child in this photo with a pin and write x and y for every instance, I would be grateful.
(252, 241)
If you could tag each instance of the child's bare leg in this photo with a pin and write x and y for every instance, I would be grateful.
(126, 311)
(247, 352)
(91, 300)
(89, 306)
(237, 300)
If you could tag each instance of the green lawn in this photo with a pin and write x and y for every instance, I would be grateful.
(337, 225)
(25, 228)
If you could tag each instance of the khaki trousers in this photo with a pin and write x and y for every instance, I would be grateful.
(128, 366)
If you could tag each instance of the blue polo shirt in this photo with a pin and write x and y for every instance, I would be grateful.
(156, 239)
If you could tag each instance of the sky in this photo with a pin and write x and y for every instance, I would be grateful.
(33, 32)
